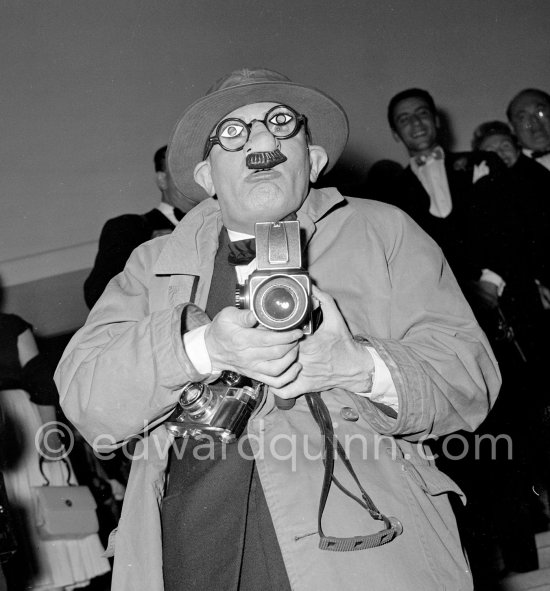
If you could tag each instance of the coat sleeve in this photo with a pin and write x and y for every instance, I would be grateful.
(122, 371)
(444, 370)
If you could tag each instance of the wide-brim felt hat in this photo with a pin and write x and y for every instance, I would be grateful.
(326, 119)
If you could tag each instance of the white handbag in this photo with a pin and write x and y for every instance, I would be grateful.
(67, 511)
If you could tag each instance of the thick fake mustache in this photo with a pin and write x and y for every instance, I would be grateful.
(264, 160)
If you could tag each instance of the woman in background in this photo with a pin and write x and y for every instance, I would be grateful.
(28, 397)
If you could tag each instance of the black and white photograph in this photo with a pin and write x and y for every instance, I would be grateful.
(275, 295)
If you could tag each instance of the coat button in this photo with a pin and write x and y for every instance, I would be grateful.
(349, 414)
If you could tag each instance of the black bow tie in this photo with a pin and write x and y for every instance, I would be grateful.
(242, 252)
(178, 214)
(540, 154)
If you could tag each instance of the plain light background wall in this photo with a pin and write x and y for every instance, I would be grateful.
(90, 88)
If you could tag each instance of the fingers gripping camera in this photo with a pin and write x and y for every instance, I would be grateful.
(279, 291)
(279, 295)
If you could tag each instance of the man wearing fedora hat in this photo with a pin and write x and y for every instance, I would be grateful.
(397, 359)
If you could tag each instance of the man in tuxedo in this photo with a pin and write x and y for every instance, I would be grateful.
(120, 235)
(398, 356)
(529, 115)
(458, 198)
(438, 187)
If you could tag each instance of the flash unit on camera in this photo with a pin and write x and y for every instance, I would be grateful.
(279, 291)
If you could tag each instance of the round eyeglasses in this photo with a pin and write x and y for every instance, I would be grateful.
(232, 134)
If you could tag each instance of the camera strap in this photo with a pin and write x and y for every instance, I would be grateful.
(331, 447)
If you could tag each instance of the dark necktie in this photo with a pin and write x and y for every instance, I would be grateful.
(178, 214)
(224, 279)
(229, 488)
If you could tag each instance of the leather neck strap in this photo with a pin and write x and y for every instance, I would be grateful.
(332, 447)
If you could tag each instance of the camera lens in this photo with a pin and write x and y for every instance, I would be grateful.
(191, 393)
(279, 302)
(198, 400)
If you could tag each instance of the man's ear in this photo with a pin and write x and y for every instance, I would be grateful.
(318, 159)
(162, 182)
(395, 135)
(203, 176)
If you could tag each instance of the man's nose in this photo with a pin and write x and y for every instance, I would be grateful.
(261, 139)
(415, 120)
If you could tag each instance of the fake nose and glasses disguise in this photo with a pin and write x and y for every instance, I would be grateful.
(231, 134)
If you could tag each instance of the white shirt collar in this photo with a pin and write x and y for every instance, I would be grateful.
(544, 160)
(234, 235)
(168, 210)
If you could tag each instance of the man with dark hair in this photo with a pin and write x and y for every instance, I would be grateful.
(438, 187)
(529, 115)
(459, 199)
(397, 358)
(159, 159)
(122, 234)
(410, 93)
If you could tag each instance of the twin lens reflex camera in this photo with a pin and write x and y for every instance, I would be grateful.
(279, 295)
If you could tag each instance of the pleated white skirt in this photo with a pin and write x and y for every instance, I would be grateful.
(50, 564)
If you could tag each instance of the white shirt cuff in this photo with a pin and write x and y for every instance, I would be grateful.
(494, 278)
(383, 388)
(480, 170)
(195, 347)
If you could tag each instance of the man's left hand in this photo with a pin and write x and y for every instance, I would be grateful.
(330, 358)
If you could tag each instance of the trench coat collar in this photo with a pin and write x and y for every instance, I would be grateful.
(194, 242)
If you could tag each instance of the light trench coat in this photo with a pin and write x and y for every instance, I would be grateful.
(124, 369)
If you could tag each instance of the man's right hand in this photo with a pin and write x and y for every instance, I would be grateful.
(235, 343)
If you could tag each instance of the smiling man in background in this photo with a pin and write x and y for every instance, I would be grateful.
(438, 187)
